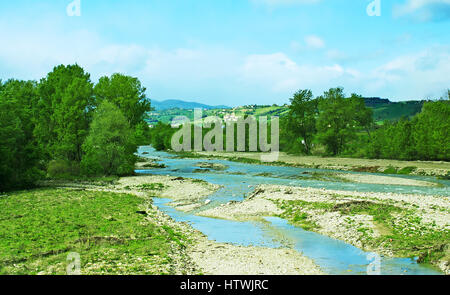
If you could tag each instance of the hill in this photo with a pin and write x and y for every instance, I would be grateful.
(383, 110)
(182, 105)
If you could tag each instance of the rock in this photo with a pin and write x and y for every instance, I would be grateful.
(255, 193)
(213, 166)
(207, 202)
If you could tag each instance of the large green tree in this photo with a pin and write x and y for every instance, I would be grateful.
(301, 120)
(65, 107)
(110, 146)
(20, 156)
(431, 131)
(334, 124)
(340, 118)
(127, 94)
(362, 115)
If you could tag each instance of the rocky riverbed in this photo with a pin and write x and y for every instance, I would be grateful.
(388, 223)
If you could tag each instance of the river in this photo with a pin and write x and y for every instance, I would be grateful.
(239, 179)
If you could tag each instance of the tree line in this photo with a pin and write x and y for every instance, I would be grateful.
(65, 125)
(335, 124)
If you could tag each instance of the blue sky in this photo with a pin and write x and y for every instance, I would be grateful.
(237, 51)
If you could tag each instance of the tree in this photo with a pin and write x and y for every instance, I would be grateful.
(110, 146)
(340, 119)
(127, 94)
(334, 124)
(363, 115)
(431, 131)
(20, 156)
(161, 136)
(301, 119)
(64, 112)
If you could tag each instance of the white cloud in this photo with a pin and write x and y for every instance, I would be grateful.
(284, 2)
(314, 42)
(414, 76)
(424, 10)
(202, 72)
(280, 74)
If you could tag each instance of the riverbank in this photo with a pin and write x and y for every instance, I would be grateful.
(116, 229)
(425, 168)
(210, 257)
(391, 224)
(111, 233)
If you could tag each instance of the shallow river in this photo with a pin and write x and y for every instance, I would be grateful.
(239, 179)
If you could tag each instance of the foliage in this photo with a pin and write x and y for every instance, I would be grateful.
(110, 146)
(20, 154)
(340, 118)
(64, 112)
(301, 119)
(425, 137)
(431, 131)
(127, 94)
(161, 136)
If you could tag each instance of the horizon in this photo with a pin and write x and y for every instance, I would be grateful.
(239, 52)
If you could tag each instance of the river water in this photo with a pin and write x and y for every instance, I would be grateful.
(239, 179)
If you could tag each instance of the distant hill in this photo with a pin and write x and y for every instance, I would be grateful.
(383, 109)
(183, 105)
(376, 101)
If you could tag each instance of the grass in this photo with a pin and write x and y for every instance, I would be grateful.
(110, 232)
(403, 171)
(401, 230)
(152, 186)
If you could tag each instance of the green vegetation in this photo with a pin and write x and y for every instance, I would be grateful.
(301, 120)
(110, 146)
(152, 187)
(403, 171)
(402, 230)
(336, 125)
(56, 127)
(383, 110)
(19, 150)
(113, 233)
(345, 126)
(394, 111)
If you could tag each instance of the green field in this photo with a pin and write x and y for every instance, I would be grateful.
(113, 233)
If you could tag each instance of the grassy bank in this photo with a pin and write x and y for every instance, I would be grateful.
(394, 225)
(113, 233)
(400, 231)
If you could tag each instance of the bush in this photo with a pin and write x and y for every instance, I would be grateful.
(110, 146)
(62, 169)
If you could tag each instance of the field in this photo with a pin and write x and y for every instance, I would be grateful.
(113, 233)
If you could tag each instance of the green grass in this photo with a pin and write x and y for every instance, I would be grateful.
(390, 170)
(152, 186)
(402, 231)
(110, 232)
(403, 171)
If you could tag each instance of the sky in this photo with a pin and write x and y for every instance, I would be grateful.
(236, 52)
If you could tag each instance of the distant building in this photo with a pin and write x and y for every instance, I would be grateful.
(230, 118)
